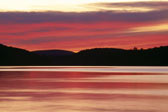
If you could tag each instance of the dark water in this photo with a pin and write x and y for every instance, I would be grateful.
(58, 91)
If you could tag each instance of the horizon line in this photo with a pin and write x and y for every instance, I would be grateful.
(134, 48)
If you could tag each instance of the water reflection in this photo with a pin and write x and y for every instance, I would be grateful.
(83, 92)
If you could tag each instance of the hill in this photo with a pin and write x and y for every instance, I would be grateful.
(16, 56)
(98, 56)
(110, 56)
(53, 52)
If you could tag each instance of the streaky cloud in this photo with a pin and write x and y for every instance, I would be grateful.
(87, 17)
(155, 5)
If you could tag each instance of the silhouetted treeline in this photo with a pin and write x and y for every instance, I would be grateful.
(98, 56)
(110, 56)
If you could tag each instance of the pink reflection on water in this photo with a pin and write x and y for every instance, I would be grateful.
(82, 92)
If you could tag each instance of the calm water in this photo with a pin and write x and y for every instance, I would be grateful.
(83, 89)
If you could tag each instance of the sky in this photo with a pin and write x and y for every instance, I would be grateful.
(83, 24)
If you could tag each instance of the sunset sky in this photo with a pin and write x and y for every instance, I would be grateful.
(82, 24)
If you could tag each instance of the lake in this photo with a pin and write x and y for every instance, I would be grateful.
(83, 89)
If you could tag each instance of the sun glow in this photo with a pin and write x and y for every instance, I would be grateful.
(56, 5)
(155, 28)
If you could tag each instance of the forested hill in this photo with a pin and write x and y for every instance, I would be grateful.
(110, 56)
(16, 56)
(98, 56)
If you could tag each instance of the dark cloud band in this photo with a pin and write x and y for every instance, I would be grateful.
(40, 17)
